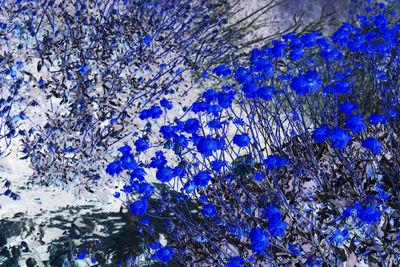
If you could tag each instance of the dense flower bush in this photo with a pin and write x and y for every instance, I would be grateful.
(286, 164)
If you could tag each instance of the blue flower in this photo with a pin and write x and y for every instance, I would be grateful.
(347, 107)
(158, 161)
(128, 162)
(241, 140)
(190, 187)
(210, 95)
(372, 144)
(271, 212)
(125, 149)
(117, 195)
(192, 125)
(145, 220)
(206, 146)
(217, 164)
(156, 112)
(369, 214)
(81, 256)
(209, 210)
(355, 123)
(274, 162)
(139, 207)
(304, 84)
(141, 145)
(222, 70)
(166, 104)
(214, 124)
(348, 211)
(165, 254)
(294, 249)
(156, 245)
(321, 133)
(259, 240)
(147, 40)
(276, 227)
(145, 114)
(339, 138)
(202, 178)
(225, 99)
(114, 168)
(203, 199)
(164, 174)
(339, 236)
(235, 261)
(258, 176)
(167, 131)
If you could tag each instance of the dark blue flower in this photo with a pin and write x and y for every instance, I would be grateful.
(141, 145)
(369, 214)
(372, 144)
(114, 168)
(225, 99)
(235, 261)
(128, 162)
(294, 249)
(202, 178)
(145, 114)
(190, 187)
(147, 40)
(210, 96)
(125, 149)
(209, 210)
(167, 131)
(192, 125)
(347, 107)
(166, 104)
(156, 112)
(222, 70)
(276, 227)
(348, 211)
(217, 164)
(164, 174)
(158, 161)
(339, 236)
(355, 123)
(206, 146)
(139, 207)
(274, 162)
(304, 84)
(81, 256)
(165, 254)
(258, 176)
(259, 240)
(340, 138)
(241, 140)
(321, 133)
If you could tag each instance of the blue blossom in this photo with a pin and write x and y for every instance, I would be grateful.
(377, 118)
(156, 112)
(339, 236)
(294, 249)
(217, 164)
(347, 107)
(348, 211)
(259, 240)
(210, 95)
(235, 261)
(241, 140)
(189, 187)
(145, 220)
(321, 133)
(258, 176)
(372, 144)
(206, 146)
(139, 207)
(202, 178)
(165, 254)
(167, 131)
(225, 99)
(164, 174)
(114, 168)
(276, 227)
(304, 84)
(222, 70)
(209, 210)
(271, 212)
(369, 214)
(81, 256)
(166, 104)
(147, 40)
(125, 149)
(128, 162)
(355, 123)
(141, 145)
(274, 162)
(340, 138)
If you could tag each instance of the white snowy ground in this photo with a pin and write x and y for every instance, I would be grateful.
(39, 204)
